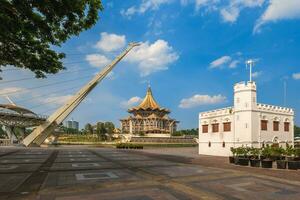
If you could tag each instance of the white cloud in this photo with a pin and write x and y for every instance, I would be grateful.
(199, 4)
(130, 11)
(220, 62)
(247, 3)
(198, 100)
(153, 57)
(279, 10)
(145, 6)
(15, 91)
(256, 74)
(131, 102)
(56, 100)
(97, 60)
(234, 64)
(111, 42)
(296, 76)
(229, 11)
(230, 14)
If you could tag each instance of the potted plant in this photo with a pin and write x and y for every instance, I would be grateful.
(297, 157)
(242, 154)
(266, 153)
(254, 157)
(279, 153)
(291, 163)
(294, 161)
(231, 158)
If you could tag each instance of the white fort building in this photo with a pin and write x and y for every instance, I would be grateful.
(247, 123)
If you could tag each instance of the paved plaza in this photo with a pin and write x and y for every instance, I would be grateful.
(107, 173)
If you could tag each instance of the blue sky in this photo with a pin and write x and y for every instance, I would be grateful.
(192, 53)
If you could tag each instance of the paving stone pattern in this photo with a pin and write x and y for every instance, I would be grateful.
(112, 174)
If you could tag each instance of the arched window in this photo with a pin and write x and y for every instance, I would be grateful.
(215, 126)
(209, 144)
(205, 128)
(286, 126)
(264, 125)
(227, 126)
(223, 145)
(276, 124)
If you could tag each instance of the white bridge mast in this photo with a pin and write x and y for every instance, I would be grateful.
(38, 136)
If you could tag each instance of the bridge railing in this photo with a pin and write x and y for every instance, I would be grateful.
(31, 116)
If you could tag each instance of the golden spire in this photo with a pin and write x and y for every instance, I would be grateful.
(148, 102)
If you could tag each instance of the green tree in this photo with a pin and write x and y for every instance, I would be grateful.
(297, 131)
(109, 126)
(186, 132)
(100, 130)
(30, 28)
(88, 128)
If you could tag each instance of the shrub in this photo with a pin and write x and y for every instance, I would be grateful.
(297, 152)
(266, 152)
(289, 151)
(129, 146)
(278, 152)
(254, 152)
(242, 151)
(233, 151)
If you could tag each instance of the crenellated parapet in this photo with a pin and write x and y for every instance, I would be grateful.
(277, 109)
(217, 112)
(244, 86)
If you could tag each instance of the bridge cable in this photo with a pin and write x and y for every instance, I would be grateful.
(43, 94)
(29, 78)
(46, 85)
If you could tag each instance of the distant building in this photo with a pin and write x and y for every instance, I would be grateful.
(149, 119)
(247, 123)
(72, 124)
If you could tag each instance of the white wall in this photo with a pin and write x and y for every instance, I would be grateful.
(245, 118)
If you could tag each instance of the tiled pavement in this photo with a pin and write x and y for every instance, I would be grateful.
(103, 173)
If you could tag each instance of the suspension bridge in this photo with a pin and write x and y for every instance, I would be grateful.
(13, 116)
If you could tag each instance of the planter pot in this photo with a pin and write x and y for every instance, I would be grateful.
(231, 159)
(297, 158)
(281, 164)
(290, 158)
(255, 163)
(266, 163)
(294, 165)
(236, 160)
(243, 161)
(274, 158)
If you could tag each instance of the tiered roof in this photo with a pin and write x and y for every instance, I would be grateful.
(148, 104)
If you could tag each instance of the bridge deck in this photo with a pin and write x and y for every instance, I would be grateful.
(13, 119)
